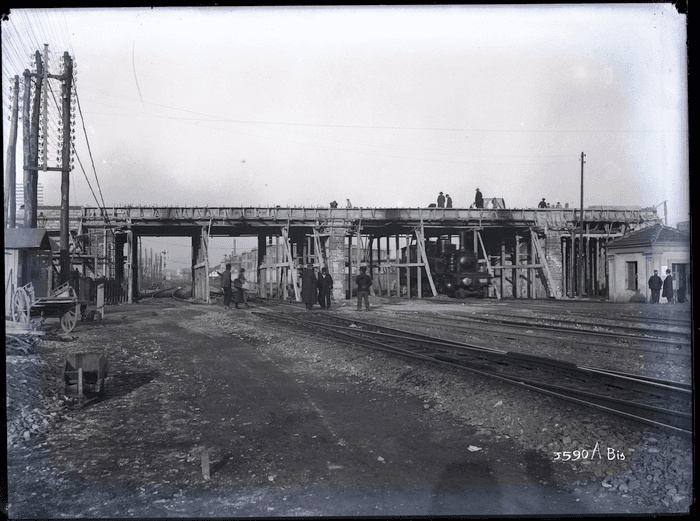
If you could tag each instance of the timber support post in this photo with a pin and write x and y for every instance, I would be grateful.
(65, 165)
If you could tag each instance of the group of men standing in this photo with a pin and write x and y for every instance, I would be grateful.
(445, 201)
(316, 288)
(313, 288)
(656, 285)
(319, 288)
(238, 284)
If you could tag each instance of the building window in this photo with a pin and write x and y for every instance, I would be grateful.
(632, 276)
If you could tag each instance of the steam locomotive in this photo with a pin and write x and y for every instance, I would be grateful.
(455, 269)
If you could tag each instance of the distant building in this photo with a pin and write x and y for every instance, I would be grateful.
(633, 258)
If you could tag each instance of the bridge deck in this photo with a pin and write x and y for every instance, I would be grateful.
(254, 217)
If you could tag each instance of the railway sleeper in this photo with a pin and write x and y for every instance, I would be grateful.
(543, 360)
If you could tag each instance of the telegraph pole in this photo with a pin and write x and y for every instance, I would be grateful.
(11, 179)
(580, 240)
(30, 211)
(30, 142)
(26, 137)
(65, 164)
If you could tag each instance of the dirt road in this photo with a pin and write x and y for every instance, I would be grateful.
(282, 435)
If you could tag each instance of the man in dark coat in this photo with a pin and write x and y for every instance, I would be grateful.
(325, 284)
(478, 199)
(226, 286)
(668, 287)
(239, 284)
(655, 287)
(441, 201)
(308, 287)
(448, 201)
(364, 282)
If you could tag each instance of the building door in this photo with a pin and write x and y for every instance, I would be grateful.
(681, 274)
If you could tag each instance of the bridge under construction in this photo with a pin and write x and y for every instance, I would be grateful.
(529, 253)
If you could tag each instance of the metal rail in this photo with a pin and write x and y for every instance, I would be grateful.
(627, 396)
(572, 312)
(509, 332)
(631, 328)
(577, 331)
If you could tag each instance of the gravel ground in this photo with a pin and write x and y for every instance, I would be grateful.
(650, 469)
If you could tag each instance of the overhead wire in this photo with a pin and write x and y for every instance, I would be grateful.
(102, 207)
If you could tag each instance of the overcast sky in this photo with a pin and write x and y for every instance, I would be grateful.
(385, 106)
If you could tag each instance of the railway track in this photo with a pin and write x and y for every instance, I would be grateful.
(582, 313)
(663, 404)
(629, 325)
(579, 340)
(625, 333)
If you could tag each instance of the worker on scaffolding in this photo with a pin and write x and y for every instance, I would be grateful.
(478, 199)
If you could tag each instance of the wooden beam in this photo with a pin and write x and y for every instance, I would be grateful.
(426, 264)
(290, 264)
(488, 264)
(543, 259)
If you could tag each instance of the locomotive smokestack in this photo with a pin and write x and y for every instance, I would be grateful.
(463, 240)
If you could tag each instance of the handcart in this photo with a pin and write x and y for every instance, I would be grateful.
(63, 302)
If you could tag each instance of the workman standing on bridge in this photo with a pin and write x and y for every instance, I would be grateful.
(364, 282)
(478, 199)
(655, 284)
(441, 201)
(226, 286)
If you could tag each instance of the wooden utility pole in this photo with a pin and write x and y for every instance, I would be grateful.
(11, 164)
(31, 211)
(31, 143)
(26, 137)
(580, 240)
(65, 165)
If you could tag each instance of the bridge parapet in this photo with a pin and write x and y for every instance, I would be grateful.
(550, 217)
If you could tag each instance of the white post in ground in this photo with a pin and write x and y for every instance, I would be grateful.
(101, 300)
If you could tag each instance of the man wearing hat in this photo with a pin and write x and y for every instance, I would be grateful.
(239, 284)
(308, 286)
(226, 285)
(364, 282)
(668, 287)
(478, 199)
(655, 284)
(441, 201)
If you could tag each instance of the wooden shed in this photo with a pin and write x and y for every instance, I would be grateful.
(28, 258)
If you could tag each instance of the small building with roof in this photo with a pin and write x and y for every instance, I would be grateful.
(28, 258)
(633, 258)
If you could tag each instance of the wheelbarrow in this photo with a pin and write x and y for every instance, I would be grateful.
(84, 373)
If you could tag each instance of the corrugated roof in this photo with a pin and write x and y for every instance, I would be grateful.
(27, 238)
(650, 235)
